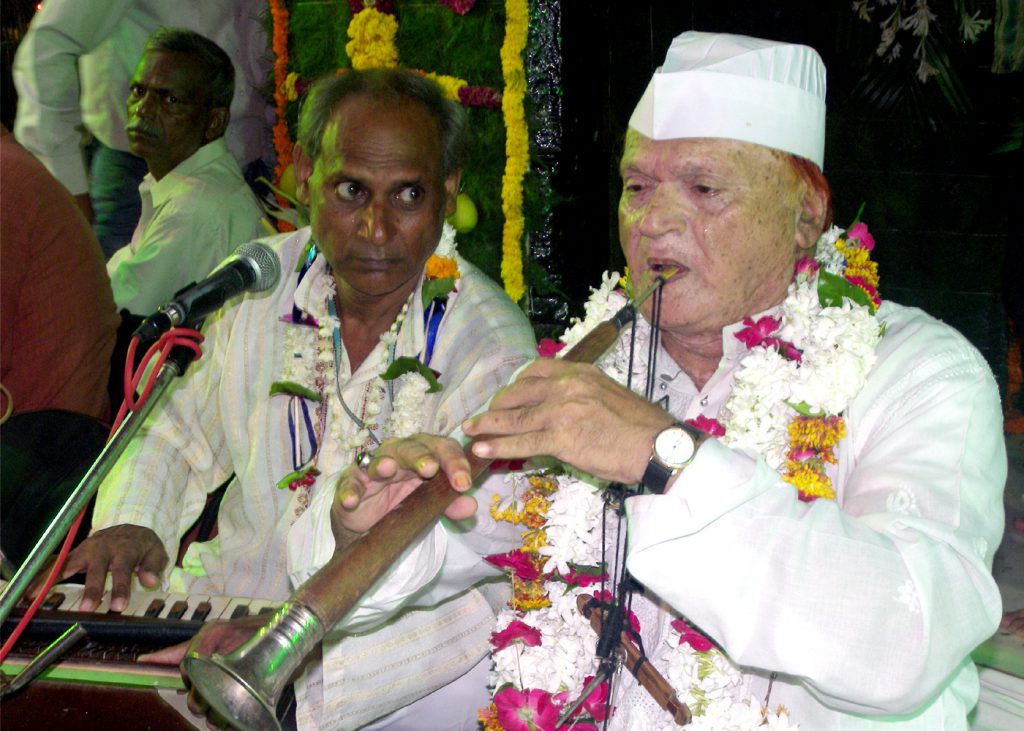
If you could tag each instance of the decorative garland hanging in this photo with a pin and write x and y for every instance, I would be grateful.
(282, 141)
(517, 148)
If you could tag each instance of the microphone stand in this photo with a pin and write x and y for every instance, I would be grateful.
(177, 361)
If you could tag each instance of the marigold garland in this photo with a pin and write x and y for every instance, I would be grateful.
(820, 346)
(373, 40)
(282, 141)
(517, 150)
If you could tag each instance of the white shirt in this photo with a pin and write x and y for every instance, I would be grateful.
(75, 63)
(867, 606)
(221, 419)
(192, 218)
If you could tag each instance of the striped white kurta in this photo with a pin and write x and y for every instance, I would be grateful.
(220, 420)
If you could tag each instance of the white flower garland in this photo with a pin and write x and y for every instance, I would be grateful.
(837, 347)
(314, 376)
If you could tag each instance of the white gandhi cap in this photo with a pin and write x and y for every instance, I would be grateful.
(737, 88)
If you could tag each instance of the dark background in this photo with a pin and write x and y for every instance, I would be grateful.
(938, 196)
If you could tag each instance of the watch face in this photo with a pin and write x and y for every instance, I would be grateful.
(674, 447)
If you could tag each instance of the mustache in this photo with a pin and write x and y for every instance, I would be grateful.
(143, 128)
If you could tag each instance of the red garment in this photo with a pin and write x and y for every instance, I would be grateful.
(58, 322)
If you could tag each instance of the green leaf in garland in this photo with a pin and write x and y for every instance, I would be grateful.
(293, 389)
(804, 409)
(832, 289)
(303, 476)
(404, 365)
(856, 219)
(434, 288)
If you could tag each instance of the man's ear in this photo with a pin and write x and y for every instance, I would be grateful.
(811, 216)
(451, 192)
(303, 167)
(217, 123)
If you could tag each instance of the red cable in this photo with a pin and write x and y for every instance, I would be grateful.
(185, 337)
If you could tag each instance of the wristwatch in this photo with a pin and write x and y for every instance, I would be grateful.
(674, 447)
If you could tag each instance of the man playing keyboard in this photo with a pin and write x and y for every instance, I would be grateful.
(290, 393)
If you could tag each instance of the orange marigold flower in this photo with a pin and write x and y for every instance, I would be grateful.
(544, 483)
(489, 718)
(439, 267)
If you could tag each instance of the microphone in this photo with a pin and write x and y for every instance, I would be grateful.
(253, 267)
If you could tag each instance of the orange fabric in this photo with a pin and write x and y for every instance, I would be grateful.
(58, 321)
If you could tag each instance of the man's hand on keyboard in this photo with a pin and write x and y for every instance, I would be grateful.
(120, 551)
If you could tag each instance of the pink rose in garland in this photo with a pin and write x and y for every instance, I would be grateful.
(583, 579)
(762, 333)
(548, 348)
(516, 632)
(525, 710)
(709, 426)
(859, 232)
(689, 636)
(518, 561)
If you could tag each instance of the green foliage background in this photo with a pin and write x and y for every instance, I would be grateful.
(435, 39)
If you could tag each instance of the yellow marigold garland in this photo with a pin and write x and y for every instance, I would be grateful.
(373, 40)
(517, 150)
(858, 262)
(812, 443)
(529, 511)
(450, 85)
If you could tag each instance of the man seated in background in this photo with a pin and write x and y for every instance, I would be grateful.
(196, 206)
(72, 69)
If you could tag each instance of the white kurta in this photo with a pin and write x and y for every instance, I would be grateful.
(867, 607)
(220, 419)
(192, 218)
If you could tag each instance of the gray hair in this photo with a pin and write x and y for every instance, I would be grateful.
(392, 85)
(217, 70)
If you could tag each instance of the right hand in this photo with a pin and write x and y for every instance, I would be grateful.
(120, 550)
(215, 637)
(363, 496)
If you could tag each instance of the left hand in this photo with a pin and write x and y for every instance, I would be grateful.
(1013, 622)
(363, 496)
(216, 637)
(574, 412)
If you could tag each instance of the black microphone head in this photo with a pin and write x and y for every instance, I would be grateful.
(264, 264)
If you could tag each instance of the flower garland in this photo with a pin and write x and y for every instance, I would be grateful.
(282, 142)
(803, 368)
(407, 380)
(517, 149)
(806, 365)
